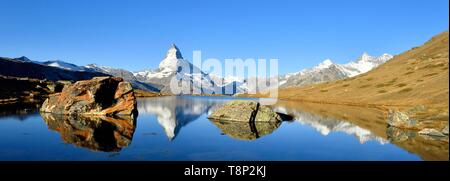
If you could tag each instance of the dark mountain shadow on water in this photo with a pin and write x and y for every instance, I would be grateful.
(97, 133)
(175, 112)
(19, 112)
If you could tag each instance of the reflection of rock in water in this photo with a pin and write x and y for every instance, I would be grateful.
(428, 147)
(108, 134)
(175, 112)
(398, 135)
(246, 131)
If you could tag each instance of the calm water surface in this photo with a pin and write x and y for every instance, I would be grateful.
(177, 128)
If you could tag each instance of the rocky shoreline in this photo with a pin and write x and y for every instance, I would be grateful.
(417, 119)
(18, 90)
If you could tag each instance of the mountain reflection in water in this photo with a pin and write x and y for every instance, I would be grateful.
(325, 125)
(173, 113)
(318, 132)
(366, 124)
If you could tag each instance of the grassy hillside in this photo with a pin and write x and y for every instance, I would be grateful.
(416, 77)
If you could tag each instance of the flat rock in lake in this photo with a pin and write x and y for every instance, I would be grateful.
(245, 111)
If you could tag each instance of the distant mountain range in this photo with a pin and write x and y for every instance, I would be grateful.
(158, 80)
(24, 67)
(329, 71)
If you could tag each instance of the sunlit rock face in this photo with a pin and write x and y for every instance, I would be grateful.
(107, 134)
(246, 131)
(98, 96)
(173, 113)
(245, 120)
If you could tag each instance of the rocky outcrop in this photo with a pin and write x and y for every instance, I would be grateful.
(428, 126)
(245, 111)
(425, 146)
(400, 120)
(445, 130)
(98, 96)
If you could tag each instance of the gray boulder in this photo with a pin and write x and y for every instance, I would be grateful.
(245, 111)
(445, 130)
(400, 120)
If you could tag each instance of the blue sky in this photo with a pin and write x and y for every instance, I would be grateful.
(135, 35)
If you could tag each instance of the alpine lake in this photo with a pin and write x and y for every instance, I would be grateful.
(176, 128)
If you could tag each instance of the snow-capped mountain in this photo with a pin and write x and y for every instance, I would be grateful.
(26, 68)
(230, 83)
(125, 74)
(329, 71)
(365, 63)
(60, 70)
(109, 70)
(173, 65)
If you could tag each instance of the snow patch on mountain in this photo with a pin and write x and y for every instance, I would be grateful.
(364, 64)
(325, 64)
(63, 65)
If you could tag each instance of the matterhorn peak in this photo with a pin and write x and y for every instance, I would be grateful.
(173, 53)
(173, 60)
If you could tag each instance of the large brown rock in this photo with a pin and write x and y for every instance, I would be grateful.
(245, 111)
(98, 96)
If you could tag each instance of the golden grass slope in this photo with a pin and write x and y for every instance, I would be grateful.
(416, 77)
